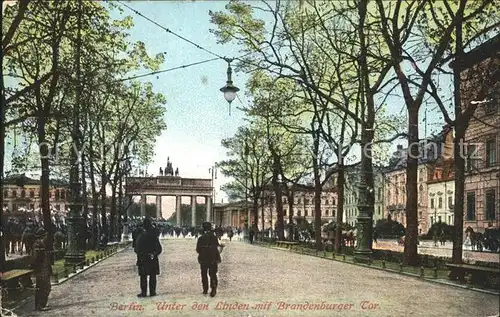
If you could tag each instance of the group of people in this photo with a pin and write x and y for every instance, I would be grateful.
(147, 246)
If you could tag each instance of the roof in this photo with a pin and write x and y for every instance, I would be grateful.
(431, 150)
(478, 54)
(18, 179)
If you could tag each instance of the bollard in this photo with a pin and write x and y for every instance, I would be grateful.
(82, 264)
(317, 252)
(401, 267)
(74, 268)
(66, 273)
(87, 262)
(56, 278)
(343, 257)
(435, 272)
(383, 264)
(422, 272)
(333, 255)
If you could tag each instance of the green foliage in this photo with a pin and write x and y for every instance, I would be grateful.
(388, 228)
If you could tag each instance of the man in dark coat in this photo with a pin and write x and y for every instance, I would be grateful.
(42, 268)
(209, 258)
(148, 248)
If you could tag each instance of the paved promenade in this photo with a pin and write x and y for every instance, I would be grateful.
(256, 281)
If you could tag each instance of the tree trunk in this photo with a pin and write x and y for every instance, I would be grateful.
(340, 206)
(85, 203)
(95, 203)
(262, 206)
(2, 160)
(112, 217)
(410, 250)
(317, 192)
(461, 124)
(458, 209)
(291, 198)
(45, 183)
(279, 208)
(104, 222)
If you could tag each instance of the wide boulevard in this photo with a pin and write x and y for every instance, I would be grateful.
(257, 281)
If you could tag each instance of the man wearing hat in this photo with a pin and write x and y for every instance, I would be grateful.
(148, 248)
(43, 270)
(208, 257)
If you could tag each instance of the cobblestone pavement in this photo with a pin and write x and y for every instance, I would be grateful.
(252, 275)
(427, 247)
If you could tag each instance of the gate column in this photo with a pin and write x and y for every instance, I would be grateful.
(193, 211)
(178, 209)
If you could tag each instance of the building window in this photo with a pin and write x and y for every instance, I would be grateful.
(305, 213)
(449, 220)
(284, 212)
(432, 220)
(471, 206)
(439, 218)
(334, 201)
(5, 193)
(58, 208)
(471, 163)
(432, 202)
(14, 193)
(490, 204)
(440, 202)
(23, 193)
(450, 202)
(379, 194)
(298, 200)
(491, 153)
(32, 194)
(379, 211)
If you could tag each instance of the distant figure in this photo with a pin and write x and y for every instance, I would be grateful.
(161, 171)
(148, 248)
(251, 233)
(43, 270)
(177, 171)
(209, 258)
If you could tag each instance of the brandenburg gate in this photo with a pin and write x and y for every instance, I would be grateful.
(170, 185)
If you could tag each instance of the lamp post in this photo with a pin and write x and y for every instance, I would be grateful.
(229, 89)
(245, 157)
(213, 172)
(75, 253)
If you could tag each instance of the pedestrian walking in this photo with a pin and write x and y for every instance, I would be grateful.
(42, 268)
(209, 258)
(148, 248)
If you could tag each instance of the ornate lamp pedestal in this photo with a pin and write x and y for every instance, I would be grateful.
(75, 254)
(363, 252)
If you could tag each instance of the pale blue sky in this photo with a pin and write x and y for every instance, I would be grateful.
(197, 113)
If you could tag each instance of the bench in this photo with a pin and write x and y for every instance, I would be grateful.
(16, 279)
(477, 274)
(286, 244)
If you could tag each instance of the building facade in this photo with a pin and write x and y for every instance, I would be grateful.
(481, 87)
(303, 207)
(28, 197)
(432, 151)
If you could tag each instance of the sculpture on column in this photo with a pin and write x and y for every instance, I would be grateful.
(169, 170)
(177, 171)
(161, 171)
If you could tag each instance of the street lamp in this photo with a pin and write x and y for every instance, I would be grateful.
(229, 89)
(213, 171)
